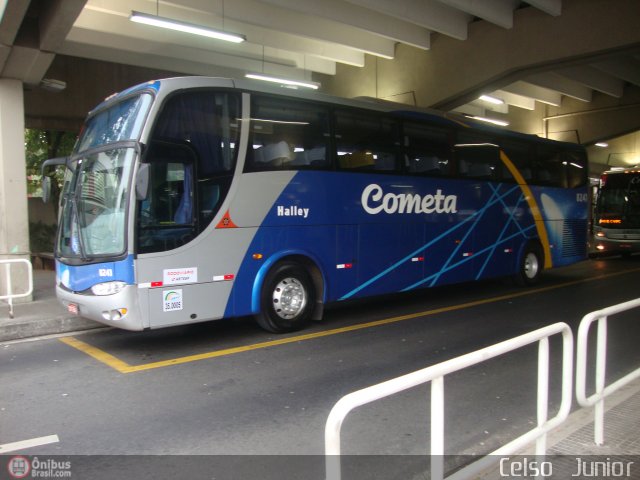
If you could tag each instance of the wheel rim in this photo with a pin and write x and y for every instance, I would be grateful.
(531, 265)
(289, 298)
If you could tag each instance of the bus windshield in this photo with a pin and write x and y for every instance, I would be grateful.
(620, 195)
(96, 192)
(117, 123)
(95, 204)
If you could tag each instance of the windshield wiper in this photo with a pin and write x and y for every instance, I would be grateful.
(76, 221)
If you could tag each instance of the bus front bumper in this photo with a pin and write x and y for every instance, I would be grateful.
(119, 310)
(608, 245)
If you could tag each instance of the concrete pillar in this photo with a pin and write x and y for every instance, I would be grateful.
(14, 217)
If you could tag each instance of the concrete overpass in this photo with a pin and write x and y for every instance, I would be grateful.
(564, 69)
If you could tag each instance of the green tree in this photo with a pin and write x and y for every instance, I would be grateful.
(41, 145)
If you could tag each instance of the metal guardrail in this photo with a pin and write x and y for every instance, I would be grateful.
(9, 288)
(436, 373)
(601, 391)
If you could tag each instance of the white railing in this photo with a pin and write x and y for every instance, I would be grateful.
(9, 288)
(601, 391)
(435, 374)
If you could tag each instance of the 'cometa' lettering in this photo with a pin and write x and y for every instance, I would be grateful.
(375, 201)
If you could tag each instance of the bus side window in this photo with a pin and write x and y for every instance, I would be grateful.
(367, 142)
(575, 165)
(198, 129)
(167, 215)
(428, 150)
(477, 160)
(209, 193)
(549, 170)
(272, 156)
(287, 135)
(519, 154)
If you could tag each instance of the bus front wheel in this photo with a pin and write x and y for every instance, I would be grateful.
(531, 266)
(287, 299)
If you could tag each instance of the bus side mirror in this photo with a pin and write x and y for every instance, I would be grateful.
(46, 179)
(142, 181)
(46, 189)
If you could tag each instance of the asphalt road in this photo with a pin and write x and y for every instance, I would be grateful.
(228, 388)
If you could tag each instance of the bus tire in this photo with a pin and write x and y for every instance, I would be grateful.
(531, 266)
(287, 299)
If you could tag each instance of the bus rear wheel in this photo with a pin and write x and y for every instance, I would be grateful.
(287, 299)
(531, 266)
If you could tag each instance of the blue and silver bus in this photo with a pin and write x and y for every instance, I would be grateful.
(196, 199)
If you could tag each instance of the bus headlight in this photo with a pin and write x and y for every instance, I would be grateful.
(107, 288)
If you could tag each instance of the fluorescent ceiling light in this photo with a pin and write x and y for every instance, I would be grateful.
(490, 99)
(179, 26)
(52, 85)
(284, 81)
(602, 144)
(501, 123)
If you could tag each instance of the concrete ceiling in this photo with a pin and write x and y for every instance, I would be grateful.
(295, 38)
(286, 37)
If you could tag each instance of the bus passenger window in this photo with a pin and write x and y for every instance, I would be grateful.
(427, 149)
(575, 167)
(549, 170)
(518, 153)
(426, 165)
(287, 135)
(367, 142)
(478, 160)
(272, 156)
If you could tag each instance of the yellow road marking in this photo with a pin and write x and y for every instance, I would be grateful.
(96, 353)
(124, 367)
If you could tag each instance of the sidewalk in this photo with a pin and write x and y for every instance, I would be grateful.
(572, 452)
(43, 316)
(621, 428)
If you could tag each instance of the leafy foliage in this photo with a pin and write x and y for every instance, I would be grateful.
(41, 236)
(39, 146)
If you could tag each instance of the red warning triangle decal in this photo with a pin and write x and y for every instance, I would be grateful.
(226, 222)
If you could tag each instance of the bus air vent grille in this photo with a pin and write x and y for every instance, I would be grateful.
(574, 238)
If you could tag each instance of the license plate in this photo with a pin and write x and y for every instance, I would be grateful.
(73, 308)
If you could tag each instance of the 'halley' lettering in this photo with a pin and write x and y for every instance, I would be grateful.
(292, 211)
(375, 201)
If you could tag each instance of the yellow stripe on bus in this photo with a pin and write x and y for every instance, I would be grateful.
(533, 205)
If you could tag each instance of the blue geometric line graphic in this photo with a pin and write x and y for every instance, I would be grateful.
(515, 209)
(464, 260)
(433, 241)
(511, 220)
(436, 277)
